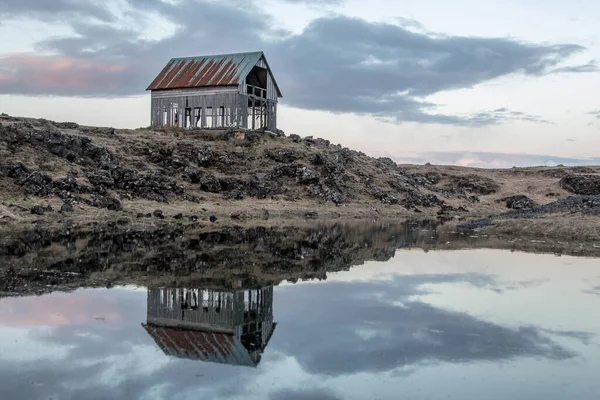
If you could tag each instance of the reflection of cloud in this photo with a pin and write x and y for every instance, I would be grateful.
(376, 327)
(509, 286)
(595, 114)
(331, 328)
(594, 290)
(59, 309)
(310, 394)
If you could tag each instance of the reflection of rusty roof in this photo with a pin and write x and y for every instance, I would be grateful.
(198, 345)
(221, 70)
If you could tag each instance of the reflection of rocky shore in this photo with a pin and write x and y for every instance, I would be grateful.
(40, 261)
(221, 326)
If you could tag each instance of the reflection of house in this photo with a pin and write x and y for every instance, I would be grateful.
(228, 327)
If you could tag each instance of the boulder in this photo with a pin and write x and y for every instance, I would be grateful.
(67, 208)
(581, 184)
(519, 202)
(476, 184)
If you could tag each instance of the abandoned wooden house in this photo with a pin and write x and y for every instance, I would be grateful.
(229, 90)
(220, 326)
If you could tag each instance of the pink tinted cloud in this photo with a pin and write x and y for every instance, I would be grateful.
(35, 73)
(57, 310)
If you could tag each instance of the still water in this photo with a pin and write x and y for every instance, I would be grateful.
(466, 324)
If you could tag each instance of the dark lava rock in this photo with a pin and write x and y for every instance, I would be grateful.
(476, 184)
(158, 214)
(67, 208)
(295, 138)
(326, 192)
(37, 184)
(385, 163)
(205, 156)
(193, 218)
(311, 215)
(101, 178)
(265, 214)
(66, 125)
(519, 202)
(39, 210)
(283, 155)
(415, 199)
(213, 219)
(306, 176)
(68, 184)
(192, 175)
(587, 205)
(155, 186)
(309, 140)
(15, 171)
(382, 195)
(107, 202)
(581, 184)
(178, 216)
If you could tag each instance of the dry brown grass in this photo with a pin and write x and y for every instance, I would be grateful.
(566, 227)
(541, 184)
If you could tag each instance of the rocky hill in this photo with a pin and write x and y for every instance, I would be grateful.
(51, 172)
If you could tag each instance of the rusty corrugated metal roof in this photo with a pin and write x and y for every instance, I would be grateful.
(203, 71)
(197, 345)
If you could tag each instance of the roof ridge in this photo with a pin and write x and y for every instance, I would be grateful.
(219, 55)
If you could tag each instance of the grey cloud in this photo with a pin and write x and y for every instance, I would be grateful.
(309, 394)
(409, 23)
(595, 114)
(589, 67)
(494, 160)
(43, 8)
(337, 64)
(316, 2)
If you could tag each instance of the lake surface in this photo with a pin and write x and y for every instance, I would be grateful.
(465, 324)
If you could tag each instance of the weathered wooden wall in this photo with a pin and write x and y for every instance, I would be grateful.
(235, 110)
(210, 309)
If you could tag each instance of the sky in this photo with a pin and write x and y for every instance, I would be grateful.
(475, 83)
